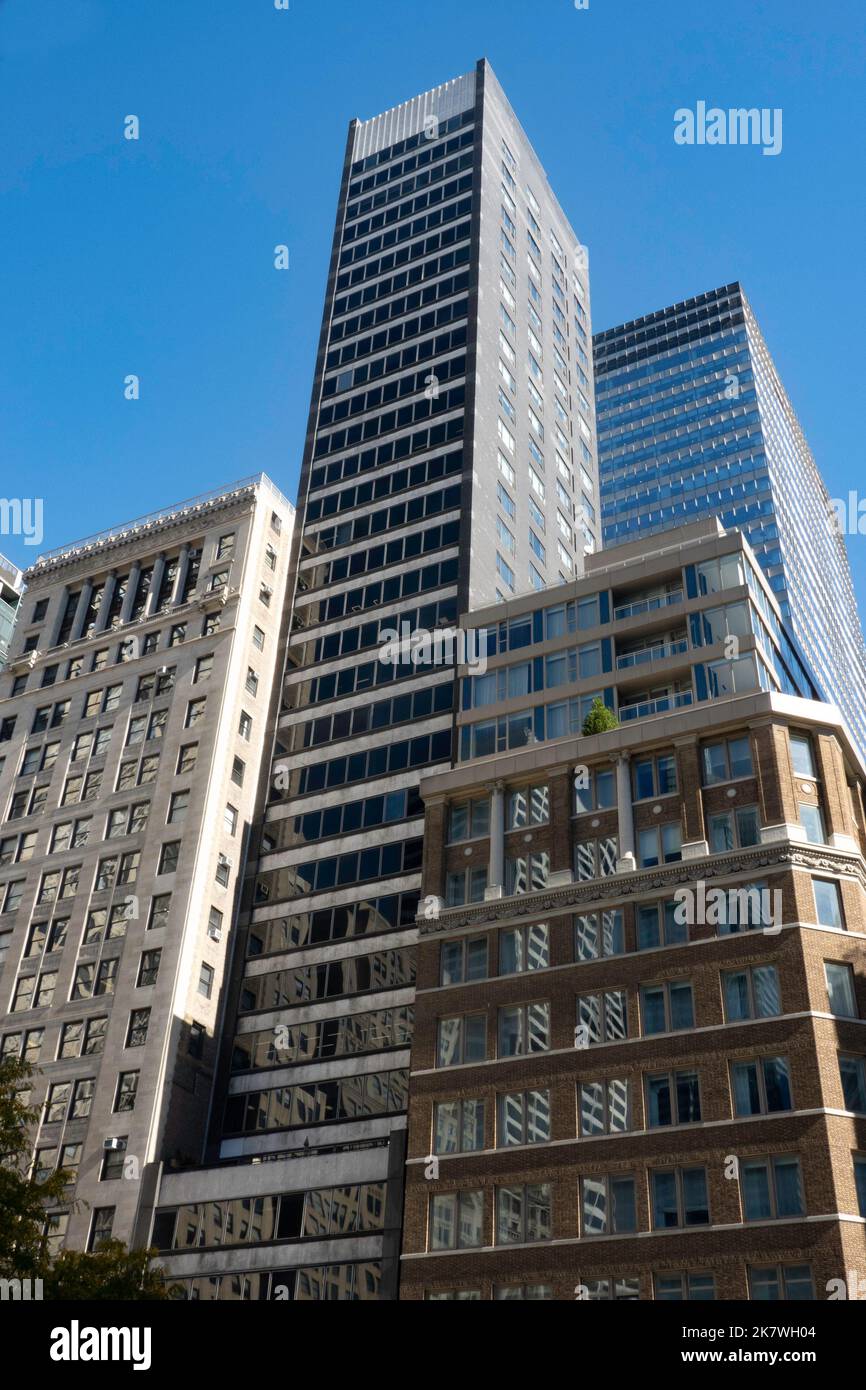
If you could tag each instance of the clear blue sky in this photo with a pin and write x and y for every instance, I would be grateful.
(155, 257)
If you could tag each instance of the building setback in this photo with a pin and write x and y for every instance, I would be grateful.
(449, 461)
(639, 1060)
(133, 719)
(693, 421)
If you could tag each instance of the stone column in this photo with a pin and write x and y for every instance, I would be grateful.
(105, 603)
(838, 809)
(626, 860)
(59, 612)
(81, 610)
(496, 863)
(180, 577)
(155, 585)
(131, 590)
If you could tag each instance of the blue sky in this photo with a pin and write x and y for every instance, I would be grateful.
(155, 256)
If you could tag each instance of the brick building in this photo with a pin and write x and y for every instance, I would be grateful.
(639, 1061)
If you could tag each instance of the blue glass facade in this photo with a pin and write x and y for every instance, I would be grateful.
(693, 421)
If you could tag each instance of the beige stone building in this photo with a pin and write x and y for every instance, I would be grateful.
(134, 721)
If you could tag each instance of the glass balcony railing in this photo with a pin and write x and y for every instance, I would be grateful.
(651, 654)
(648, 605)
(644, 708)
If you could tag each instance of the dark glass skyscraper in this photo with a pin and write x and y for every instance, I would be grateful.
(449, 461)
(693, 421)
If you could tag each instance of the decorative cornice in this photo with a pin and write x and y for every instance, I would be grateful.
(779, 856)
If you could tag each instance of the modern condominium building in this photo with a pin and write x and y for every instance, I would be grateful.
(639, 1061)
(133, 719)
(694, 421)
(11, 584)
(449, 461)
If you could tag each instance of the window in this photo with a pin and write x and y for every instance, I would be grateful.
(529, 806)
(762, 1087)
(734, 829)
(458, 1126)
(159, 909)
(852, 1072)
(524, 948)
(468, 819)
(177, 807)
(599, 934)
(604, 1107)
(456, 1220)
(460, 1040)
(127, 1086)
(194, 712)
(463, 960)
(465, 886)
(523, 1029)
(186, 758)
(270, 557)
(265, 595)
(136, 1033)
(595, 858)
(106, 976)
(215, 925)
(225, 547)
(599, 795)
(673, 1098)
(206, 979)
(679, 1198)
(203, 667)
(667, 1008)
(626, 1290)
(168, 857)
(802, 758)
(828, 903)
(230, 819)
(223, 871)
(238, 770)
(608, 1205)
(523, 1214)
(780, 1283)
(658, 925)
(751, 993)
(723, 762)
(56, 1102)
(148, 968)
(82, 1099)
(840, 990)
(602, 1017)
(681, 1288)
(258, 638)
(654, 776)
(245, 725)
(813, 824)
(103, 1222)
(523, 1117)
(661, 844)
(771, 1188)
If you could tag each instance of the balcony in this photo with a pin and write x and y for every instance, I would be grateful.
(653, 653)
(648, 605)
(663, 704)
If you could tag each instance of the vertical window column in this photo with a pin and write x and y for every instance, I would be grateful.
(496, 863)
(695, 845)
(625, 814)
(776, 792)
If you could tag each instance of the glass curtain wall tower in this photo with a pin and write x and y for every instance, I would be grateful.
(693, 421)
